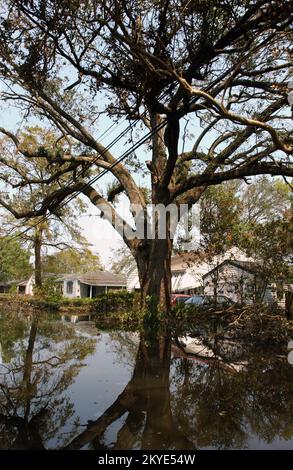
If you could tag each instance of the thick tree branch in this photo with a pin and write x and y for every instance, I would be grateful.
(112, 216)
(237, 173)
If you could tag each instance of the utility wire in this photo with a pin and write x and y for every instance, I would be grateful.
(119, 160)
(97, 177)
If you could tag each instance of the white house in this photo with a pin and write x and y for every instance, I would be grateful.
(26, 287)
(188, 272)
(73, 285)
(242, 282)
(91, 284)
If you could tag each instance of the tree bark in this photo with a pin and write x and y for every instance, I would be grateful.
(154, 271)
(38, 259)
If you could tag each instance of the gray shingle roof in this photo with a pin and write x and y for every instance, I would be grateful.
(97, 278)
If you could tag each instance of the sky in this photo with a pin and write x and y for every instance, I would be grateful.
(103, 238)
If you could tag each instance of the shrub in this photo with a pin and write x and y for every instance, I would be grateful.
(44, 304)
(76, 302)
(49, 292)
(119, 301)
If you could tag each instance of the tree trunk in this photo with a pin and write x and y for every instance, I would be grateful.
(28, 366)
(146, 399)
(154, 271)
(289, 305)
(38, 261)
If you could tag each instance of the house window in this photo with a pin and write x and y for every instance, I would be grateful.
(69, 287)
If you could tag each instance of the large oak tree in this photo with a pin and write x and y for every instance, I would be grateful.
(216, 70)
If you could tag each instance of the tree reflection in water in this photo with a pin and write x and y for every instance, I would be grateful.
(172, 401)
(145, 402)
(42, 365)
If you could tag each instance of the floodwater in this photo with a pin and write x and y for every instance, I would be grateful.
(65, 386)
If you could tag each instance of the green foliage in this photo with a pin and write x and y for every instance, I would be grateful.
(76, 302)
(220, 217)
(264, 200)
(120, 309)
(71, 261)
(49, 292)
(14, 260)
(119, 301)
(122, 261)
(272, 243)
(257, 325)
(42, 303)
(263, 327)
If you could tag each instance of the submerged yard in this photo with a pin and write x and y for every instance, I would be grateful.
(76, 386)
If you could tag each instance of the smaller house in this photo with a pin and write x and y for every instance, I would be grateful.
(27, 286)
(5, 287)
(24, 287)
(91, 284)
(242, 282)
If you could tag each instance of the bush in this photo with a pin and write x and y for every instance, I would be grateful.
(76, 302)
(48, 292)
(114, 302)
(44, 304)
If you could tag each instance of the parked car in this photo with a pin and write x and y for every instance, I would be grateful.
(179, 298)
(207, 301)
(220, 300)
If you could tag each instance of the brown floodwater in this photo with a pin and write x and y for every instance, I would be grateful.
(65, 386)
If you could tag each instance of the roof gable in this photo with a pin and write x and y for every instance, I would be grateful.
(247, 266)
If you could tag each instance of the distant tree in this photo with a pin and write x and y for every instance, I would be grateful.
(72, 261)
(257, 218)
(264, 200)
(122, 261)
(220, 217)
(266, 228)
(271, 245)
(14, 260)
(232, 213)
(58, 231)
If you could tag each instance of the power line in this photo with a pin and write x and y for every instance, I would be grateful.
(97, 177)
(87, 166)
(83, 171)
(119, 160)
